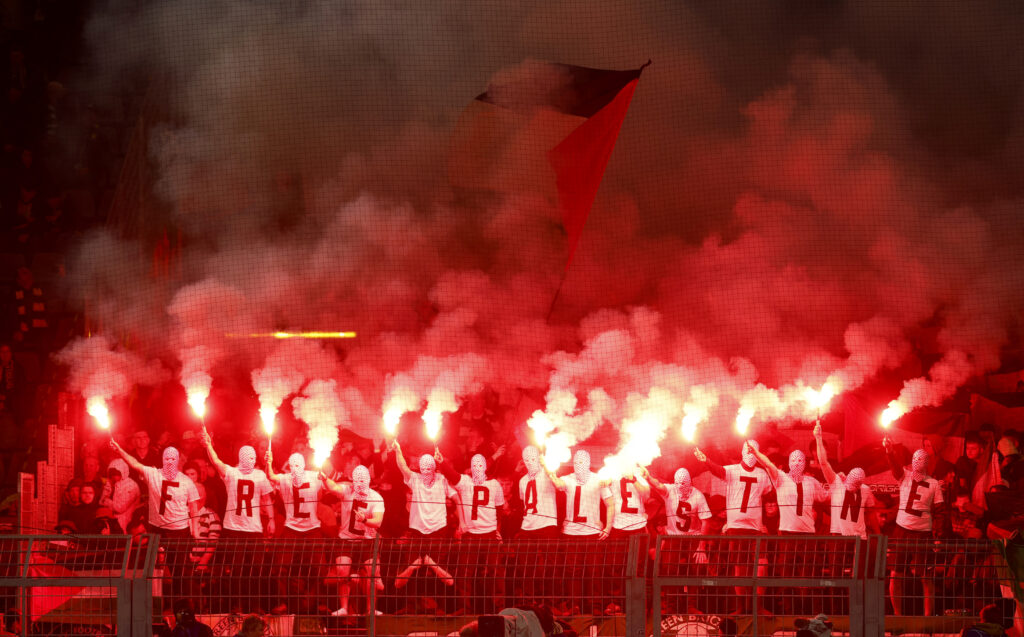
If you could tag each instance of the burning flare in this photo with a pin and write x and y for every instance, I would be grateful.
(267, 415)
(819, 399)
(97, 408)
(197, 401)
(287, 335)
(892, 413)
(743, 417)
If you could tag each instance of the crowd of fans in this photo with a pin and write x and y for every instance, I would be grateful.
(472, 495)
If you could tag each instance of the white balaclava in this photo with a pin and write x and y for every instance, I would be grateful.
(749, 459)
(361, 481)
(919, 465)
(428, 469)
(297, 464)
(797, 464)
(854, 479)
(170, 468)
(581, 466)
(246, 460)
(478, 469)
(531, 458)
(683, 484)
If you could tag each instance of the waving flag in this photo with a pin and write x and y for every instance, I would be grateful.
(545, 128)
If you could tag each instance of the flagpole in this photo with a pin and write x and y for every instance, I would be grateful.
(558, 291)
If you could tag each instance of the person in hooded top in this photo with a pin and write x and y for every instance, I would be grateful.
(120, 493)
(745, 486)
(360, 517)
(918, 521)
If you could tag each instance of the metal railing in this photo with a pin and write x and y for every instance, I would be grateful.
(94, 585)
(633, 586)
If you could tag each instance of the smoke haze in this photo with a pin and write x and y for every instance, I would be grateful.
(793, 198)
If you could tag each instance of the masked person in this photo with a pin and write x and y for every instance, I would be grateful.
(428, 517)
(796, 494)
(585, 496)
(249, 500)
(359, 519)
(745, 486)
(918, 521)
(539, 526)
(482, 502)
(686, 514)
(299, 490)
(173, 501)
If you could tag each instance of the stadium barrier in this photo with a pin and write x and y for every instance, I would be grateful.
(633, 586)
(82, 585)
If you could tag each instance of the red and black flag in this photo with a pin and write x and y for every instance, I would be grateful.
(546, 128)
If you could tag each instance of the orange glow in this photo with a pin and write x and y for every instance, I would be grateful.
(97, 408)
(892, 413)
(197, 401)
(267, 415)
(286, 335)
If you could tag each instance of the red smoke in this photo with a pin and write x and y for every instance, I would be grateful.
(756, 237)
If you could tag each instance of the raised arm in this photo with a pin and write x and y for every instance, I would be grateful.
(658, 487)
(894, 464)
(127, 457)
(555, 480)
(214, 459)
(643, 488)
(773, 471)
(716, 469)
(334, 487)
(270, 467)
(403, 466)
(826, 468)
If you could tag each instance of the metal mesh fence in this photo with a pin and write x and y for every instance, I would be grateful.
(939, 586)
(62, 585)
(671, 585)
(759, 585)
(393, 586)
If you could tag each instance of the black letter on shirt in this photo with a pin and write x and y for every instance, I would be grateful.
(165, 496)
(481, 495)
(243, 493)
(297, 502)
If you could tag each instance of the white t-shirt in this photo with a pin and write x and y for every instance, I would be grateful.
(300, 502)
(245, 492)
(169, 499)
(916, 502)
(349, 528)
(630, 514)
(539, 502)
(583, 504)
(683, 517)
(743, 492)
(480, 504)
(427, 510)
(850, 509)
(796, 503)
